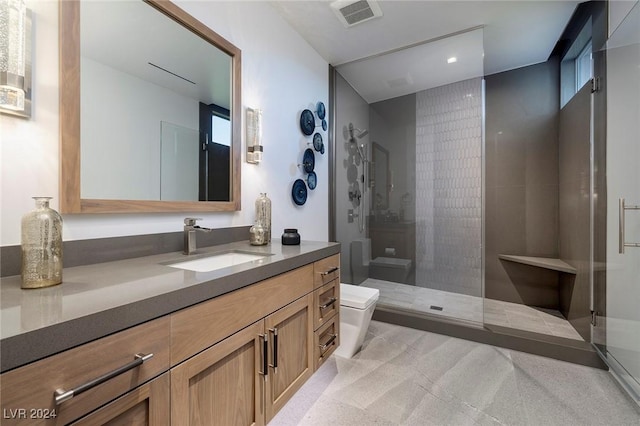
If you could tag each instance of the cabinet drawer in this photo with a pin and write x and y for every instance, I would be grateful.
(146, 405)
(327, 339)
(326, 270)
(197, 328)
(32, 387)
(326, 303)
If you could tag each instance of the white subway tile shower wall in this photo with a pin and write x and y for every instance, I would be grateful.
(449, 188)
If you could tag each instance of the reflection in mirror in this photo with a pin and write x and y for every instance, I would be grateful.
(380, 158)
(154, 123)
(163, 74)
(178, 162)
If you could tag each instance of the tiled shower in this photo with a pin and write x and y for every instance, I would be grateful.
(446, 215)
(449, 188)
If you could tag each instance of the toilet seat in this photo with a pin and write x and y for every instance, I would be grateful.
(357, 297)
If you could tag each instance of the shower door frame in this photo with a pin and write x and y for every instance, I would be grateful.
(611, 282)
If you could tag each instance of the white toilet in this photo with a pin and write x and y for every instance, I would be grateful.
(356, 309)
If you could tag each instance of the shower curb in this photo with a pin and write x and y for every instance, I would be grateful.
(574, 351)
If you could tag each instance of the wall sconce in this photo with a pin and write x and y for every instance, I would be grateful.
(254, 135)
(15, 58)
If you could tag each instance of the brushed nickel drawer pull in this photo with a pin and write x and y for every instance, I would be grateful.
(329, 342)
(329, 303)
(62, 395)
(330, 271)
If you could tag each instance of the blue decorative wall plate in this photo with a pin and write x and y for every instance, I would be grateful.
(299, 192)
(312, 180)
(317, 142)
(321, 110)
(307, 122)
(308, 160)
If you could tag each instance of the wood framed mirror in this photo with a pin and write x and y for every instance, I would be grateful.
(176, 161)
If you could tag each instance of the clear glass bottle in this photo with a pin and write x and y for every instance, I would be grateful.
(41, 246)
(257, 235)
(263, 214)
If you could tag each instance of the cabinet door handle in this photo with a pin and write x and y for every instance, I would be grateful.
(329, 303)
(274, 330)
(265, 351)
(330, 271)
(62, 395)
(329, 342)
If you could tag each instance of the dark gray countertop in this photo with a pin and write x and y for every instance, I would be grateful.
(94, 301)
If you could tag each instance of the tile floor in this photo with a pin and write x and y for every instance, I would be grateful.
(404, 376)
(470, 308)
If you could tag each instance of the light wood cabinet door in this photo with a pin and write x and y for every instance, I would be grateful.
(222, 385)
(147, 405)
(290, 334)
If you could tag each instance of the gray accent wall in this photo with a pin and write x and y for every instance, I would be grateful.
(575, 209)
(393, 126)
(521, 198)
(349, 108)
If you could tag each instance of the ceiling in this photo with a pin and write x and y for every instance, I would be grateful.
(486, 37)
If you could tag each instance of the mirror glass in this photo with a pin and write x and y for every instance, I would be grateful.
(380, 184)
(149, 110)
(155, 101)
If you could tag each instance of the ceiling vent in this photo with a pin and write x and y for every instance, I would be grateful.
(351, 12)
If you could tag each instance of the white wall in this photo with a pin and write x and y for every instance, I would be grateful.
(281, 74)
(125, 145)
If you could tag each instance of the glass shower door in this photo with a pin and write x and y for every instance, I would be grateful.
(622, 325)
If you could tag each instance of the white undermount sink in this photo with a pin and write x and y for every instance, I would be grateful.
(218, 261)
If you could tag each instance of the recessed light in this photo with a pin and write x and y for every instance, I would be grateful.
(452, 60)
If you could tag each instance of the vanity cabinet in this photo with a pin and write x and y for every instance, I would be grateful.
(327, 339)
(28, 393)
(326, 303)
(146, 405)
(247, 377)
(224, 384)
(326, 308)
(234, 359)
